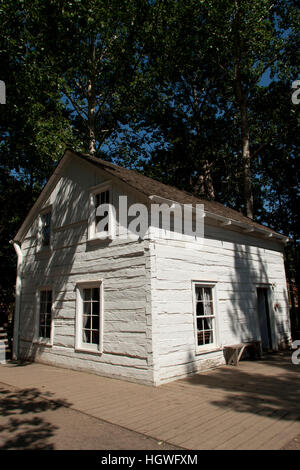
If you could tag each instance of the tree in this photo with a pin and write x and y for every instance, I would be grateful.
(93, 47)
(208, 59)
(34, 130)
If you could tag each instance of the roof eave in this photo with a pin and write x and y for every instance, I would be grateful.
(227, 222)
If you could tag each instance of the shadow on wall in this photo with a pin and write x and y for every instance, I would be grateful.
(249, 271)
(20, 428)
(243, 310)
(54, 268)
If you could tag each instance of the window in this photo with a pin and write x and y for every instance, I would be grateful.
(45, 229)
(89, 316)
(101, 226)
(44, 326)
(100, 199)
(205, 320)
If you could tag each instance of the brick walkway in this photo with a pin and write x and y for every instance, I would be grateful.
(253, 406)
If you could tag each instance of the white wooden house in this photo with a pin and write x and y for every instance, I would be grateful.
(146, 309)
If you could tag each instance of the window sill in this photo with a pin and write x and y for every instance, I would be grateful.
(102, 239)
(41, 342)
(213, 349)
(88, 351)
(44, 252)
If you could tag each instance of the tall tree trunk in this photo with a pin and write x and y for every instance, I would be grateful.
(210, 191)
(204, 184)
(246, 156)
(92, 102)
(241, 98)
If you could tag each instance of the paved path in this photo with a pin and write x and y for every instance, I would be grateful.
(253, 406)
(30, 421)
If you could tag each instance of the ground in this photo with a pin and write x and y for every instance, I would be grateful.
(252, 406)
(29, 421)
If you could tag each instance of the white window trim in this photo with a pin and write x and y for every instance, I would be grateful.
(92, 234)
(42, 248)
(39, 339)
(216, 344)
(79, 346)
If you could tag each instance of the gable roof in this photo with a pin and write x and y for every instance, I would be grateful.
(150, 188)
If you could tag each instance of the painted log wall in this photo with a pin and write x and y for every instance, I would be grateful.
(237, 263)
(120, 263)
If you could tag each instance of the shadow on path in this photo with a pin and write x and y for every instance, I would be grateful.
(251, 388)
(19, 427)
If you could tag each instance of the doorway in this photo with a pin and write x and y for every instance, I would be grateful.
(264, 317)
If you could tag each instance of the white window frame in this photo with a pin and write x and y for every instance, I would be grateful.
(216, 343)
(42, 247)
(92, 233)
(40, 339)
(79, 345)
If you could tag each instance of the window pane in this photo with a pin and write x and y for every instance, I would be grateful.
(199, 293)
(207, 294)
(87, 294)
(46, 236)
(43, 296)
(200, 338)
(43, 307)
(95, 337)
(200, 325)
(87, 308)
(47, 332)
(86, 321)
(95, 308)
(47, 218)
(46, 227)
(208, 308)
(208, 336)
(102, 198)
(95, 293)
(95, 323)
(200, 309)
(86, 335)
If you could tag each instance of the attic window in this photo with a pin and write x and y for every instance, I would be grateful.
(101, 212)
(45, 229)
(100, 199)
